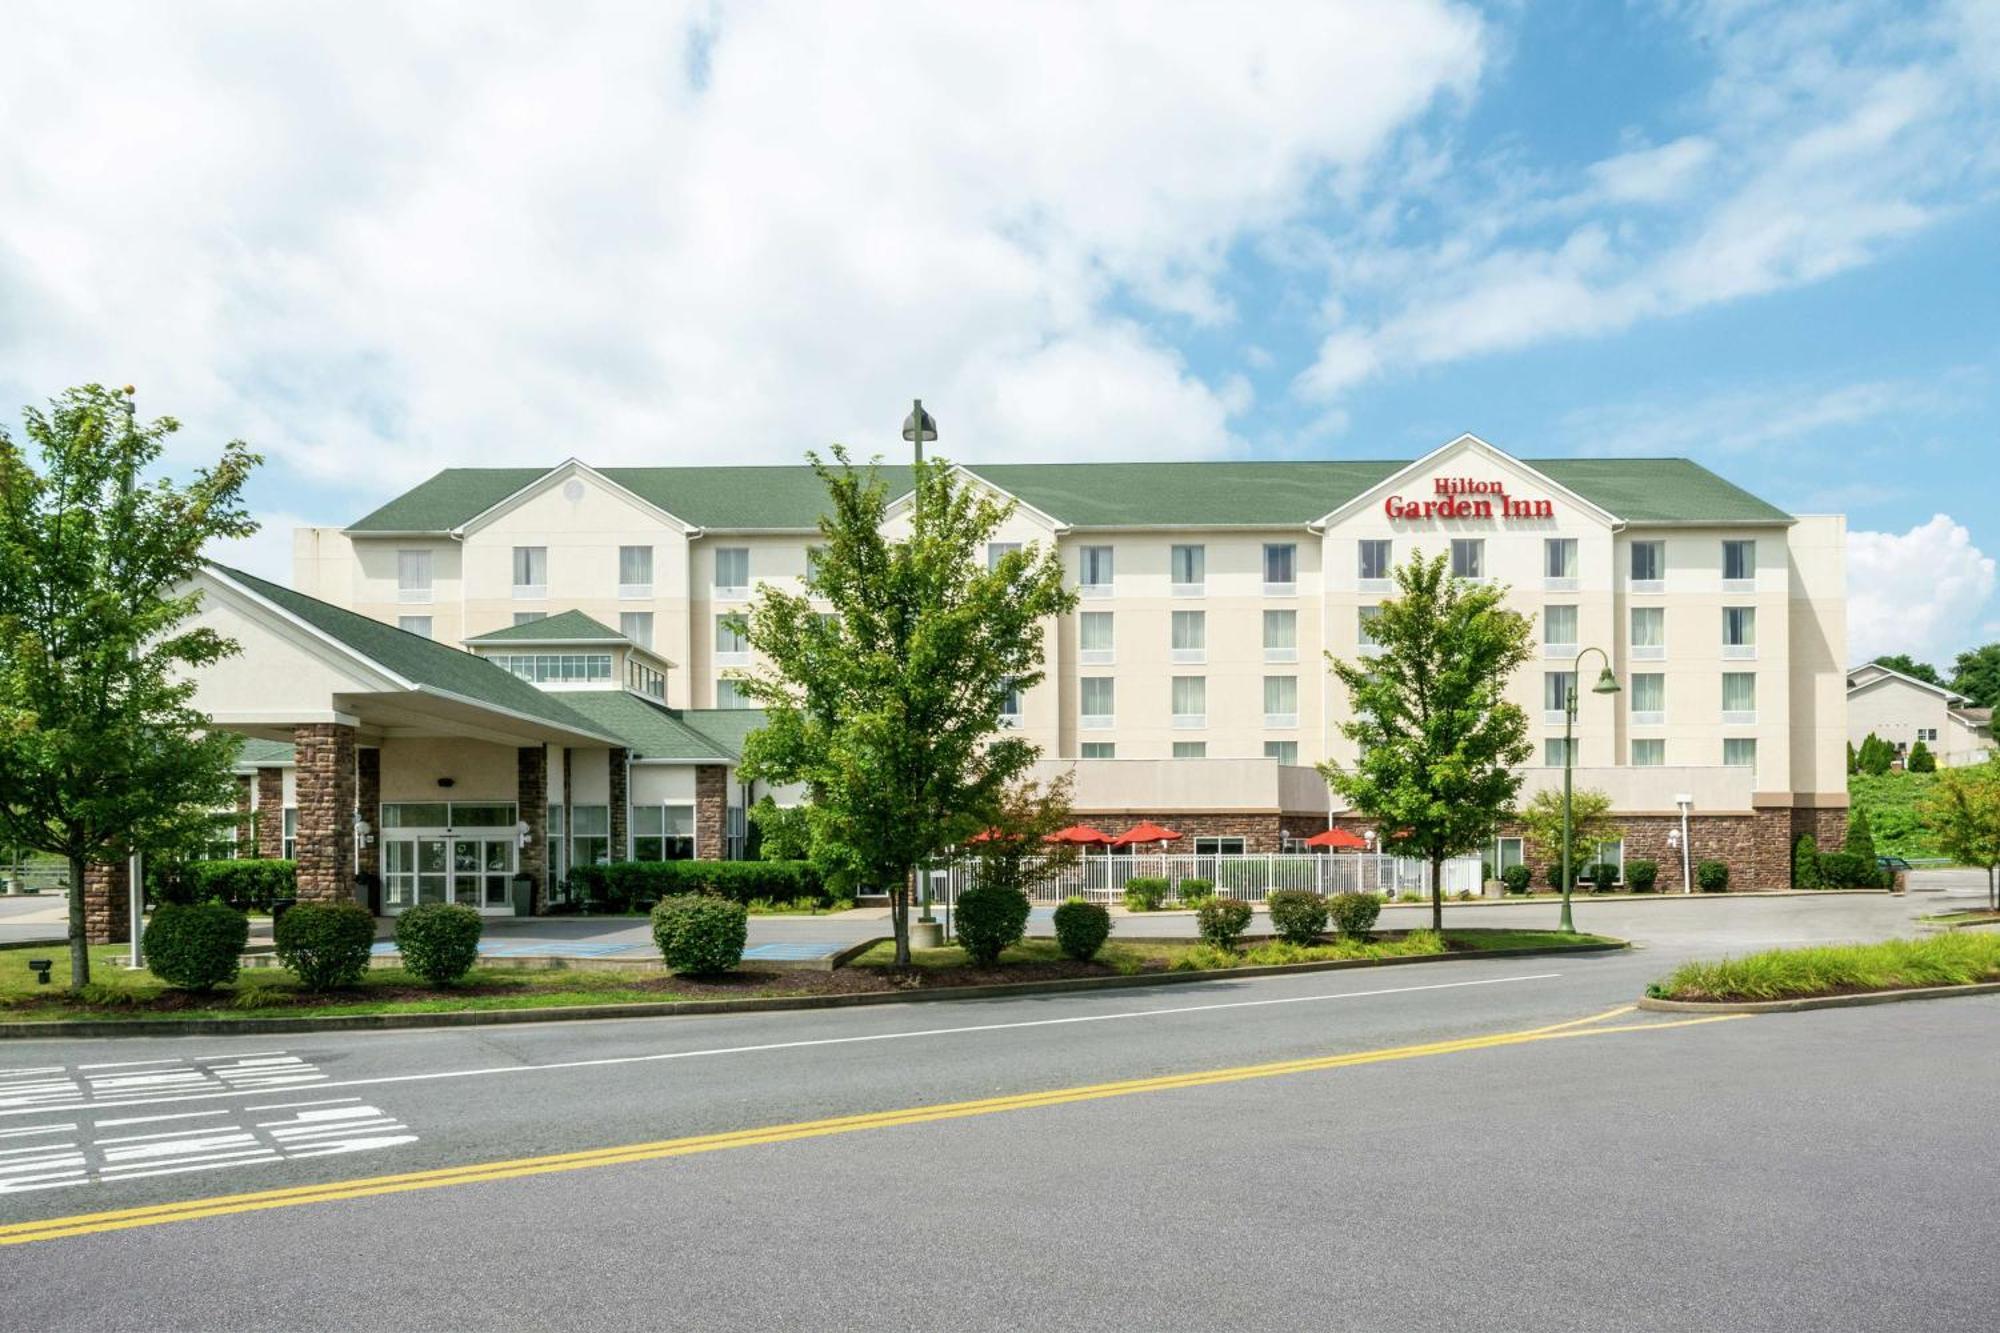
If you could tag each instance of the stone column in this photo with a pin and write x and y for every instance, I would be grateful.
(569, 810)
(325, 758)
(621, 804)
(368, 806)
(245, 838)
(531, 767)
(711, 804)
(107, 904)
(271, 812)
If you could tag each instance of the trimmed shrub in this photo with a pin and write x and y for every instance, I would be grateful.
(1146, 893)
(1297, 916)
(1711, 876)
(1195, 891)
(1848, 870)
(1921, 759)
(1518, 879)
(1222, 921)
(1641, 876)
(1354, 913)
(1081, 929)
(439, 941)
(634, 886)
(1554, 877)
(195, 946)
(1860, 837)
(1805, 864)
(700, 935)
(1602, 875)
(989, 921)
(326, 945)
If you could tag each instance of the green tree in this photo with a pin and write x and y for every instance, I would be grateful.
(1962, 811)
(1853, 760)
(889, 708)
(100, 752)
(1590, 823)
(1805, 863)
(1439, 741)
(1976, 675)
(1860, 837)
(1011, 851)
(1921, 759)
(1877, 756)
(784, 833)
(1911, 667)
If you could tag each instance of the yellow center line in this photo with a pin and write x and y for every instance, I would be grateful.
(84, 1224)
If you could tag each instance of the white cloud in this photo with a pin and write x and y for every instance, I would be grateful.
(1750, 418)
(373, 238)
(1926, 592)
(1652, 175)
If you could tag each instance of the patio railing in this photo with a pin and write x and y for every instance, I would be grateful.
(1249, 877)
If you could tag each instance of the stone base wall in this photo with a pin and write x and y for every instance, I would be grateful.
(246, 844)
(621, 804)
(270, 812)
(1260, 832)
(711, 811)
(107, 904)
(532, 777)
(368, 805)
(326, 784)
(1756, 847)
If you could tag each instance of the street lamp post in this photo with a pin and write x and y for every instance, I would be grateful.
(918, 427)
(1606, 684)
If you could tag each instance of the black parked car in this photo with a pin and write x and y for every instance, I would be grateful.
(1894, 865)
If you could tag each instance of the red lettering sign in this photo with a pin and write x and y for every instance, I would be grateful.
(1457, 502)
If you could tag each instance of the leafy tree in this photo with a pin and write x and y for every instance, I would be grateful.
(1909, 666)
(1976, 675)
(100, 752)
(1590, 823)
(1860, 837)
(1439, 740)
(1921, 759)
(784, 833)
(1876, 756)
(889, 707)
(1010, 852)
(1962, 811)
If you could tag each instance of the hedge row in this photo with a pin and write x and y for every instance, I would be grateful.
(625, 886)
(247, 883)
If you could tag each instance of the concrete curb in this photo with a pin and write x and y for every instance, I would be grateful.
(1815, 1001)
(236, 1027)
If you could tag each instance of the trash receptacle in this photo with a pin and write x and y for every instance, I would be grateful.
(524, 894)
(280, 906)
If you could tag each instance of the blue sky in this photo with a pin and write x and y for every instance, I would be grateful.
(374, 241)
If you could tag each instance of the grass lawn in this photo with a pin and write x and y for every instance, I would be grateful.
(1891, 802)
(118, 993)
(1957, 959)
(1961, 918)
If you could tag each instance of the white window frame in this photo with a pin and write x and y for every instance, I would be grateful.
(1098, 750)
(1739, 582)
(1658, 583)
(1087, 560)
(1190, 750)
(1384, 581)
(1737, 742)
(1197, 565)
(1188, 721)
(1647, 652)
(421, 626)
(642, 560)
(1192, 654)
(998, 551)
(1745, 717)
(530, 591)
(410, 563)
(729, 694)
(1745, 651)
(731, 592)
(1097, 721)
(1475, 548)
(1285, 752)
(1555, 715)
(1655, 744)
(1281, 721)
(1650, 717)
(1280, 587)
(1281, 652)
(1365, 642)
(640, 621)
(1099, 656)
(1010, 706)
(1564, 649)
(1559, 582)
(730, 657)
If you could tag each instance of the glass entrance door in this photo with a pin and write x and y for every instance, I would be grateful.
(433, 874)
(475, 872)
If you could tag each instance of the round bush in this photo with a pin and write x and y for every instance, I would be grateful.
(1712, 876)
(1517, 878)
(195, 946)
(1222, 921)
(1145, 893)
(326, 945)
(1555, 875)
(989, 921)
(1082, 928)
(1640, 876)
(1194, 892)
(439, 941)
(1603, 876)
(699, 935)
(1297, 916)
(1354, 913)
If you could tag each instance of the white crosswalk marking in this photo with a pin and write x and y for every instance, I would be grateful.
(56, 1088)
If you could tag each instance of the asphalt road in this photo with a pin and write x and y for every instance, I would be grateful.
(1823, 1170)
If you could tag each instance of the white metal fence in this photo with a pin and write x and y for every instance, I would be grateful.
(1102, 878)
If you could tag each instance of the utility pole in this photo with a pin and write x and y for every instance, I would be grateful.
(135, 867)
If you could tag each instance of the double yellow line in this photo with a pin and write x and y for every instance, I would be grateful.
(56, 1228)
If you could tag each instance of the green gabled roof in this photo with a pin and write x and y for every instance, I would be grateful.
(563, 627)
(415, 658)
(650, 730)
(1229, 494)
(731, 726)
(255, 753)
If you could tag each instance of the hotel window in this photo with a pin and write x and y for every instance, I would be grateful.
(529, 617)
(1507, 853)
(590, 834)
(1100, 750)
(1649, 699)
(413, 576)
(1281, 569)
(1190, 749)
(1739, 752)
(1649, 567)
(1364, 627)
(290, 837)
(998, 551)
(1739, 566)
(1556, 687)
(1188, 570)
(1611, 852)
(1927, 734)
(1374, 570)
(1218, 846)
(1093, 571)
(1190, 701)
(1190, 636)
(732, 641)
(1739, 631)
(1099, 702)
(1468, 557)
(1010, 706)
(556, 668)
(1281, 701)
(729, 694)
(1281, 636)
(1649, 753)
(637, 626)
(635, 571)
(417, 625)
(1649, 633)
(1552, 751)
(1094, 641)
(1739, 698)
(814, 554)
(531, 571)
(1559, 563)
(732, 571)
(1285, 752)
(662, 833)
(642, 679)
(1559, 631)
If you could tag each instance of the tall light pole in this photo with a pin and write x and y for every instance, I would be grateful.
(1606, 684)
(135, 868)
(918, 427)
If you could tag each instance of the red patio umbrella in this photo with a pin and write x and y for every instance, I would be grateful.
(988, 835)
(1336, 837)
(1145, 832)
(1083, 835)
